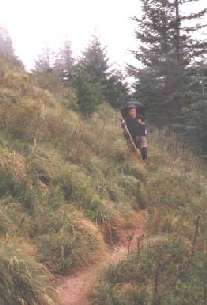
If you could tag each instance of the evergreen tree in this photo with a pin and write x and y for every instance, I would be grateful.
(96, 61)
(89, 93)
(44, 72)
(6, 48)
(94, 82)
(90, 77)
(166, 50)
(193, 117)
(64, 63)
(117, 89)
(44, 61)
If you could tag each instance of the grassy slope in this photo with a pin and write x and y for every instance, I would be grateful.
(67, 187)
(170, 266)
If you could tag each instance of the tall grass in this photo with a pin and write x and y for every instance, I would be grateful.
(66, 241)
(23, 280)
(169, 268)
(69, 184)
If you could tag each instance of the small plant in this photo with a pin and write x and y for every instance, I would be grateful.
(66, 241)
(148, 276)
(23, 280)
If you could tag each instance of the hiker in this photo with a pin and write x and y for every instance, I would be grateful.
(137, 128)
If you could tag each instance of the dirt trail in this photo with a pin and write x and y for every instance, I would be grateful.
(75, 290)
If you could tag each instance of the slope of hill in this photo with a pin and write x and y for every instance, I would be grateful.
(69, 189)
(169, 264)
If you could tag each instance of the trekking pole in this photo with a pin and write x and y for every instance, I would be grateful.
(129, 137)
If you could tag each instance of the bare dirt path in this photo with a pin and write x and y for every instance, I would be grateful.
(75, 290)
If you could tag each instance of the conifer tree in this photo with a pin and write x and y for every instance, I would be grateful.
(166, 51)
(90, 77)
(44, 71)
(89, 93)
(96, 61)
(44, 61)
(117, 89)
(64, 63)
(6, 48)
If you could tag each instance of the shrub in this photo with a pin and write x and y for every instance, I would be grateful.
(23, 280)
(75, 184)
(6, 225)
(145, 277)
(66, 241)
(134, 190)
(14, 220)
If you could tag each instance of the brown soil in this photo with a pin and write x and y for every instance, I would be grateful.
(75, 290)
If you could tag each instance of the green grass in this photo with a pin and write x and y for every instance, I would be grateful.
(69, 185)
(66, 241)
(23, 280)
(170, 267)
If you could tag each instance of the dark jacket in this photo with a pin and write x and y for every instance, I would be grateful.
(135, 128)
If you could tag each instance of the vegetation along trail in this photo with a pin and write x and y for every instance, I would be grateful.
(76, 289)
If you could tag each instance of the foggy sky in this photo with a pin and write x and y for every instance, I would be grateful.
(34, 24)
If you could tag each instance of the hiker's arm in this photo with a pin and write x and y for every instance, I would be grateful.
(141, 122)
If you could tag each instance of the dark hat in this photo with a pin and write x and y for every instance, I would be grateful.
(132, 104)
(131, 107)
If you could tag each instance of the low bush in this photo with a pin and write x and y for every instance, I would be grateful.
(66, 241)
(23, 280)
(147, 276)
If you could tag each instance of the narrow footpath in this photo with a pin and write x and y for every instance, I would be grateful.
(76, 289)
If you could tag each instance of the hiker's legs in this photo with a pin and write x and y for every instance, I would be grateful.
(143, 147)
(144, 153)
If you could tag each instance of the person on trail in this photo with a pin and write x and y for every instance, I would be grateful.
(137, 129)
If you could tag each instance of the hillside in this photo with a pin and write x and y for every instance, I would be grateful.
(168, 265)
(70, 190)
(68, 187)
